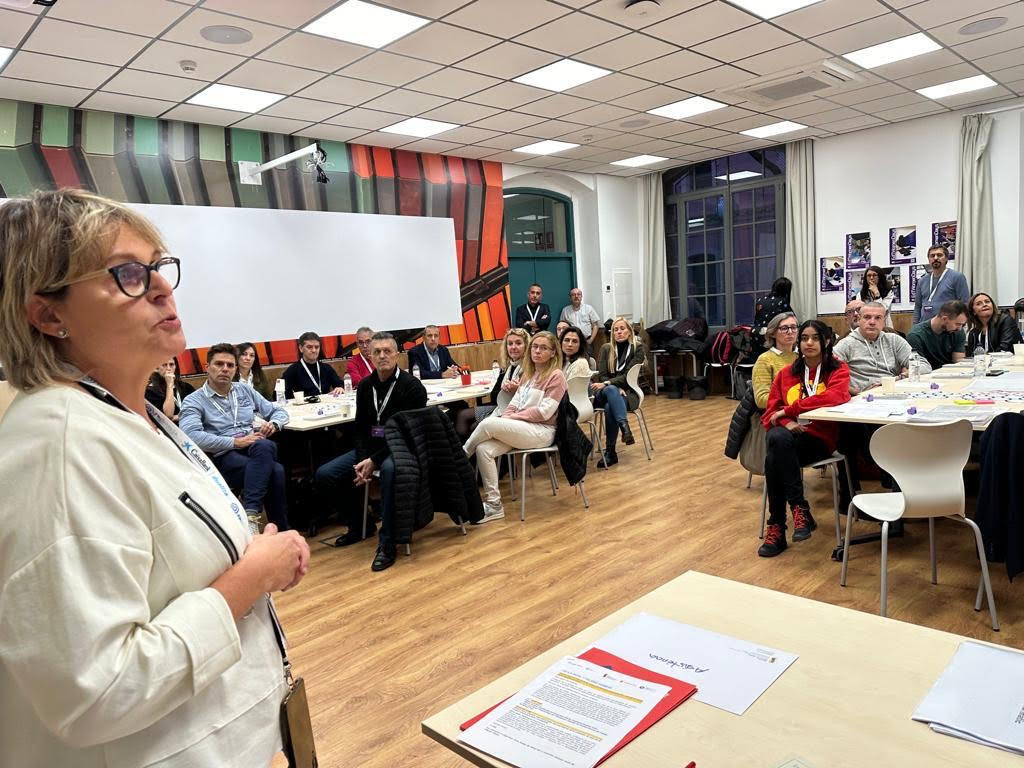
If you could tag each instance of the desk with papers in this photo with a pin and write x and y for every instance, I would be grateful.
(832, 708)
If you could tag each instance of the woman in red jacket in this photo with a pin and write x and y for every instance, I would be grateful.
(815, 380)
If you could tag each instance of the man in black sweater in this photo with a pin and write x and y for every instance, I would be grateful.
(533, 316)
(307, 374)
(382, 394)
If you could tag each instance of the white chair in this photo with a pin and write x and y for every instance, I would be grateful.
(548, 451)
(632, 381)
(832, 461)
(579, 396)
(927, 462)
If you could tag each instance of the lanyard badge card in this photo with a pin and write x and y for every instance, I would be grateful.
(296, 725)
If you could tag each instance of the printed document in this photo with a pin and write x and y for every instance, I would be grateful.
(979, 698)
(729, 673)
(569, 717)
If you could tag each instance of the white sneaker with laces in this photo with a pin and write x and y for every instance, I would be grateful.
(492, 512)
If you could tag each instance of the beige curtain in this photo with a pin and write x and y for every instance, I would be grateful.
(975, 237)
(655, 306)
(801, 262)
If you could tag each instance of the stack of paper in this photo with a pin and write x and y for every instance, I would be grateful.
(978, 698)
(976, 414)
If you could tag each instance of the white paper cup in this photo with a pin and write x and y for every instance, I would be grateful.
(300, 398)
(888, 383)
(1018, 350)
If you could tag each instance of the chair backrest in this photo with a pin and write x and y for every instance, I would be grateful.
(633, 380)
(579, 396)
(927, 461)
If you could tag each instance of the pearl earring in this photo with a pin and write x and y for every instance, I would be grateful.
(63, 333)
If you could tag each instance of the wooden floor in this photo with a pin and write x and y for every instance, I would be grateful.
(382, 651)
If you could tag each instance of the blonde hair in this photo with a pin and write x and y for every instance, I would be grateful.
(613, 346)
(521, 333)
(47, 241)
(554, 364)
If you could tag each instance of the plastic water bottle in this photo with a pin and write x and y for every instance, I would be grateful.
(348, 384)
(915, 368)
(279, 393)
(495, 369)
(416, 370)
(980, 361)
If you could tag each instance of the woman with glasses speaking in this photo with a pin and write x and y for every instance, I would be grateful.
(136, 626)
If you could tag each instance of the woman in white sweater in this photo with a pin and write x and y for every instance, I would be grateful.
(136, 626)
(574, 353)
(527, 422)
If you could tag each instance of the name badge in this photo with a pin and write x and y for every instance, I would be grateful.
(376, 431)
(927, 307)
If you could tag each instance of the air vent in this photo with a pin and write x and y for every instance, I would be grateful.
(822, 79)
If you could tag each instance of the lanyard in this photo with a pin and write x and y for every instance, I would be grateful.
(881, 347)
(232, 401)
(317, 379)
(435, 359)
(934, 288)
(810, 388)
(983, 340)
(533, 315)
(380, 408)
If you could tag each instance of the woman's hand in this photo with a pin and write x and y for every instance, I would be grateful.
(622, 391)
(510, 386)
(281, 558)
(776, 416)
(597, 386)
(795, 426)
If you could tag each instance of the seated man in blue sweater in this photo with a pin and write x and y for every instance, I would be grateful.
(433, 359)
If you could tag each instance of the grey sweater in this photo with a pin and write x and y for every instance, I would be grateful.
(869, 361)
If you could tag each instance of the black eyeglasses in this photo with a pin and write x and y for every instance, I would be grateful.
(133, 277)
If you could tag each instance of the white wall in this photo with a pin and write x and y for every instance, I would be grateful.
(906, 174)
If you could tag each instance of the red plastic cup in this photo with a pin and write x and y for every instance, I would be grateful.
(467, 379)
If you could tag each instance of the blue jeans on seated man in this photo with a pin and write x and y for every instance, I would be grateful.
(329, 482)
(615, 409)
(261, 478)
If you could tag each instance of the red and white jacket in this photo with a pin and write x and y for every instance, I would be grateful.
(788, 395)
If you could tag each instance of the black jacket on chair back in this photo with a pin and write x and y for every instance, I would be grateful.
(740, 424)
(573, 446)
(1000, 510)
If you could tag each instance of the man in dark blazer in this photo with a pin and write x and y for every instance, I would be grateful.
(533, 316)
(434, 360)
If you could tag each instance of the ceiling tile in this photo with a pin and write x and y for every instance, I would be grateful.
(787, 57)
(126, 105)
(314, 52)
(601, 113)
(615, 11)
(460, 112)
(702, 24)
(507, 141)
(435, 9)
(504, 18)
(935, 77)
(1012, 39)
(134, 82)
(572, 165)
(587, 135)
(468, 134)
(556, 106)
(143, 17)
(998, 61)
(552, 129)
(292, 15)
(187, 31)
(621, 141)
(453, 83)
(367, 119)
(379, 139)
(662, 130)
(866, 94)
(796, 111)
(433, 146)
(343, 90)
(757, 39)
(78, 41)
(270, 76)
(853, 123)
(405, 102)
(272, 124)
(191, 113)
(1017, 86)
(508, 95)
(831, 116)
(332, 132)
(507, 60)
(880, 29)
(298, 108)
(913, 110)
(13, 27)
(937, 12)
(650, 98)
(582, 152)
(474, 153)
(163, 57)
(40, 93)
(513, 158)
(917, 65)
(950, 33)
(388, 68)
(678, 64)
(508, 121)
(700, 135)
(442, 43)
(625, 52)
(1009, 74)
(714, 79)
(571, 34)
(878, 106)
(613, 86)
(720, 116)
(831, 14)
(26, 65)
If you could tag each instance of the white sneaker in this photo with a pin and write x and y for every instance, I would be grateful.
(492, 512)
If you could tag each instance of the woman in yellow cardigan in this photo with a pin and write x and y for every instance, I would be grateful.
(781, 337)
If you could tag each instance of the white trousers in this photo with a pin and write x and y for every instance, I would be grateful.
(495, 436)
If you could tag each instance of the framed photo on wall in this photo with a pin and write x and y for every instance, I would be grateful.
(894, 275)
(858, 250)
(944, 233)
(916, 271)
(902, 245)
(854, 281)
(831, 275)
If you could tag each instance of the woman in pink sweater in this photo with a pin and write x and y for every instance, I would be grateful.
(527, 422)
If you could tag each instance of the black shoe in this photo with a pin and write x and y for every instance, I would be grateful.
(627, 433)
(774, 540)
(355, 535)
(608, 459)
(803, 523)
(384, 559)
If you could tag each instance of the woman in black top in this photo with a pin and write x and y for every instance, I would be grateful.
(250, 371)
(513, 349)
(166, 390)
(768, 307)
(990, 328)
(611, 391)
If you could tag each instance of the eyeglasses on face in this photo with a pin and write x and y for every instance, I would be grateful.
(133, 277)
(788, 328)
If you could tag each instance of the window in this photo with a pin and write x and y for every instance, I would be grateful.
(724, 234)
(536, 222)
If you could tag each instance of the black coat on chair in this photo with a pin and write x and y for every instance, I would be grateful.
(573, 445)
(1000, 510)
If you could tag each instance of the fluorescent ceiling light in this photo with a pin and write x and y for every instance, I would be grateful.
(768, 9)
(687, 108)
(365, 24)
(738, 176)
(546, 147)
(5, 53)
(233, 97)
(894, 50)
(418, 126)
(633, 162)
(774, 129)
(945, 90)
(561, 75)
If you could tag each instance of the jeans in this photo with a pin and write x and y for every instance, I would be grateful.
(261, 478)
(785, 454)
(615, 409)
(328, 482)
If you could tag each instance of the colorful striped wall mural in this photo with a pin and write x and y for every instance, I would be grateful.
(146, 160)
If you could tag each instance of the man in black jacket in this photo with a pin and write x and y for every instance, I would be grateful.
(380, 396)
(433, 360)
(533, 316)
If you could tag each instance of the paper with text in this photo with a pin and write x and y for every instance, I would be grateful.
(729, 673)
(568, 717)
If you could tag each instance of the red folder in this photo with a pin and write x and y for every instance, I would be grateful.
(679, 692)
